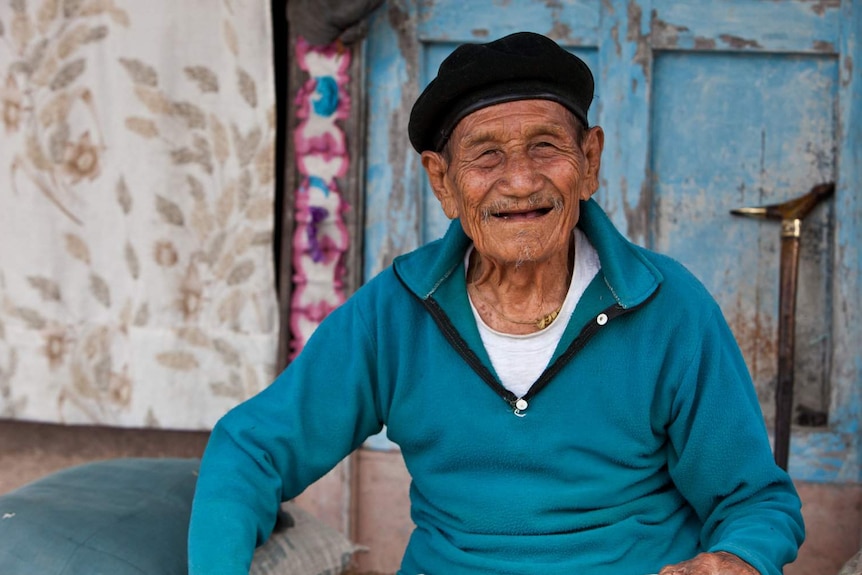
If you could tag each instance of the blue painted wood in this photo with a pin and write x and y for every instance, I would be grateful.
(434, 222)
(623, 100)
(569, 22)
(749, 129)
(392, 202)
(798, 26)
(846, 376)
(706, 106)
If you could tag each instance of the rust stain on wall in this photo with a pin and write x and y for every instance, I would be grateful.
(637, 215)
(819, 7)
(615, 36)
(823, 46)
(561, 31)
(704, 43)
(634, 35)
(664, 33)
(848, 71)
(608, 12)
(756, 339)
(737, 42)
(399, 19)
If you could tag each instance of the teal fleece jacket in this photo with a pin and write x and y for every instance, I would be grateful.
(642, 444)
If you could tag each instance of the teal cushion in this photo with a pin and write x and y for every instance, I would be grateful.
(131, 517)
(115, 517)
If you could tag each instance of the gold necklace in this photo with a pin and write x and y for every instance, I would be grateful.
(540, 323)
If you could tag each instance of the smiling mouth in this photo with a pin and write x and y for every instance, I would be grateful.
(522, 215)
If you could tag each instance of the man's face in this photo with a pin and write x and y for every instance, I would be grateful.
(514, 175)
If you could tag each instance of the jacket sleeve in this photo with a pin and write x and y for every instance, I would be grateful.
(721, 460)
(271, 447)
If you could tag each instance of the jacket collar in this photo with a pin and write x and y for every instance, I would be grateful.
(436, 272)
(626, 271)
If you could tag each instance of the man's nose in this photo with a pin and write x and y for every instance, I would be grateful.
(522, 175)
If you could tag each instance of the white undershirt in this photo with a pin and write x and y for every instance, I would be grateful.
(519, 360)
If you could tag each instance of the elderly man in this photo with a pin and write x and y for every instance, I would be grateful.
(565, 401)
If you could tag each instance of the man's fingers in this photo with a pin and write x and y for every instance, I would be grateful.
(720, 563)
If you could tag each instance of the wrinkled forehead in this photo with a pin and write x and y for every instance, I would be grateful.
(519, 119)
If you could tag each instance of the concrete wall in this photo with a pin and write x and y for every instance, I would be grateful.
(30, 450)
(380, 518)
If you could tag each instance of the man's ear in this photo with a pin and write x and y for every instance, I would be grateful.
(436, 167)
(594, 143)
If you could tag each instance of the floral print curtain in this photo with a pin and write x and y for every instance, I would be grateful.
(136, 210)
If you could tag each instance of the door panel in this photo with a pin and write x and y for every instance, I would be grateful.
(746, 130)
(706, 106)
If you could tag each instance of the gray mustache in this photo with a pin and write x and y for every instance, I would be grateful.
(533, 201)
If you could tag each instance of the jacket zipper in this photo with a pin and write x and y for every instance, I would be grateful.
(519, 404)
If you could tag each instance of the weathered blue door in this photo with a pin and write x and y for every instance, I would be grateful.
(706, 106)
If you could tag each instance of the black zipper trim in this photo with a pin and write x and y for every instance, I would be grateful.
(460, 345)
(456, 341)
(577, 345)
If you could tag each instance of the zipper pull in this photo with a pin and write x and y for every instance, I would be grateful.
(521, 406)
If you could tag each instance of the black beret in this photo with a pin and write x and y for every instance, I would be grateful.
(521, 66)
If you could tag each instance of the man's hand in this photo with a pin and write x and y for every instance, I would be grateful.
(720, 563)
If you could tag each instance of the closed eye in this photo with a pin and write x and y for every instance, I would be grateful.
(487, 158)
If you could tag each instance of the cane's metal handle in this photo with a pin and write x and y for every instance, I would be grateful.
(795, 209)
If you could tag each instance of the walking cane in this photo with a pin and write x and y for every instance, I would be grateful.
(791, 213)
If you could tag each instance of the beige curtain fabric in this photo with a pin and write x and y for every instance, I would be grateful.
(136, 210)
